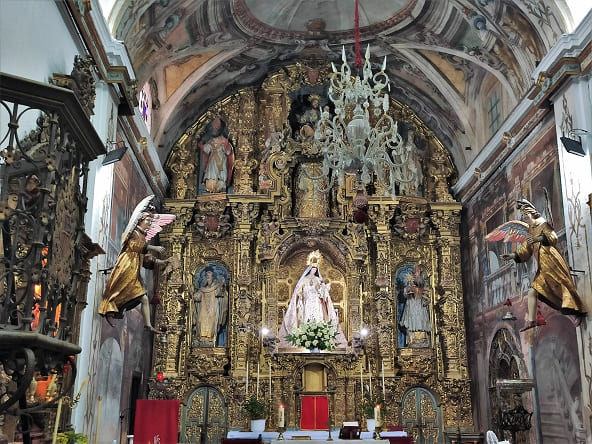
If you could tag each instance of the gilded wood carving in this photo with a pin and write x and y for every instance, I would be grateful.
(262, 229)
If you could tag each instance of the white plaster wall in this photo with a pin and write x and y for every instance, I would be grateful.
(576, 185)
(100, 182)
(35, 40)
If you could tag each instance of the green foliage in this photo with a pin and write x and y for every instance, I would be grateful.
(255, 408)
(71, 437)
(370, 403)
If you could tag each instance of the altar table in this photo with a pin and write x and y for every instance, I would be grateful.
(315, 435)
(319, 441)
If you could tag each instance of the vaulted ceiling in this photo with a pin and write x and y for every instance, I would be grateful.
(443, 55)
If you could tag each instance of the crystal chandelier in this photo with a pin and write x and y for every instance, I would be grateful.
(361, 138)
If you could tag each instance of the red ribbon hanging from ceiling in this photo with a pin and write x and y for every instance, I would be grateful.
(357, 37)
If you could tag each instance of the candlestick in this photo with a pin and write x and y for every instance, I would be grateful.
(377, 430)
(281, 417)
(383, 390)
(98, 419)
(247, 382)
(270, 380)
(257, 380)
(57, 421)
(361, 380)
(370, 379)
(79, 394)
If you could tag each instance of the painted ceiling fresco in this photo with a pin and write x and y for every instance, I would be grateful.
(440, 53)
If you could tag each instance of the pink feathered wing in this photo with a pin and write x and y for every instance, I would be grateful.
(514, 231)
(159, 221)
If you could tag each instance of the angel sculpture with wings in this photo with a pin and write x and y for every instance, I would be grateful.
(124, 289)
(552, 283)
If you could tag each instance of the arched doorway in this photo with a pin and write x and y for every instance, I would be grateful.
(205, 417)
(421, 416)
(505, 363)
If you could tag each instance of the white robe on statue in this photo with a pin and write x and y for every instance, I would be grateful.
(310, 301)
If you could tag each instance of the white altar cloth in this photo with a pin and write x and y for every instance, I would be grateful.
(314, 434)
(319, 441)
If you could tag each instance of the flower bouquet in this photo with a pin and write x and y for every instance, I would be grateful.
(314, 335)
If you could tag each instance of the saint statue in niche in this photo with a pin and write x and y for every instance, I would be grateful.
(209, 314)
(217, 158)
(311, 300)
(413, 304)
(411, 171)
(312, 200)
(309, 118)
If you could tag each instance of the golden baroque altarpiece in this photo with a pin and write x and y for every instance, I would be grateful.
(256, 238)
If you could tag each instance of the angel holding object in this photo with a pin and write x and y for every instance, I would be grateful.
(124, 289)
(552, 283)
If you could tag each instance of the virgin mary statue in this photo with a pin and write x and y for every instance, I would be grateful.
(310, 301)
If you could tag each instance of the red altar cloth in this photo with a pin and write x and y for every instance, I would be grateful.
(314, 413)
(156, 421)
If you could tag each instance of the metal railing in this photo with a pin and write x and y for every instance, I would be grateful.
(44, 252)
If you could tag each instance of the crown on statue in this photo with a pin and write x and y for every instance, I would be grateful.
(314, 258)
(314, 97)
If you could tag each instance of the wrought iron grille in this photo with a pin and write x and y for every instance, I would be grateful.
(44, 252)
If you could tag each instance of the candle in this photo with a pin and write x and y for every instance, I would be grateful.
(361, 379)
(383, 390)
(370, 379)
(247, 381)
(281, 416)
(57, 421)
(377, 415)
(257, 380)
(270, 380)
(80, 389)
(98, 418)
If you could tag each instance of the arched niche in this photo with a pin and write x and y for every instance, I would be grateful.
(333, 267)
(505, 364)
(264, 125)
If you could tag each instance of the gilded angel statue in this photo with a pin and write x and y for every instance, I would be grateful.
(552, 283)
(124, 289)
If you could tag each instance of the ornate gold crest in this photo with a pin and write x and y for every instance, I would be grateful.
(314, 258)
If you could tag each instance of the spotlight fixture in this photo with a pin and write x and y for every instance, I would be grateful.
(573, 146)
(116, 152)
